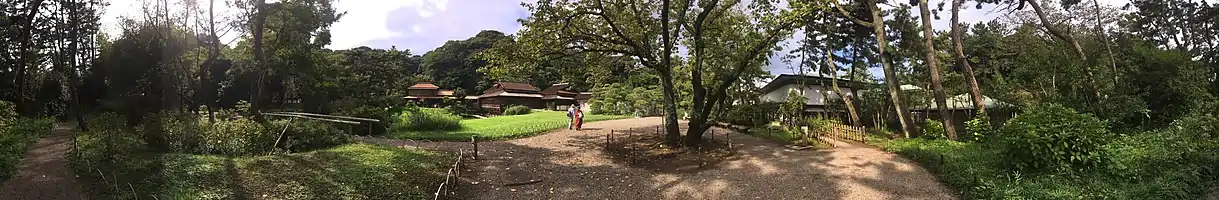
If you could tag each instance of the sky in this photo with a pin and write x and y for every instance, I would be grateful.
(423, 25)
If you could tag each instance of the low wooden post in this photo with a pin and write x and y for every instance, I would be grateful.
(727, 141)
(712, 133)
(607, 138)
(474, 142)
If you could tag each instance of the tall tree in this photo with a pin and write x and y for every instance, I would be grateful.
(891, 78)
(959, 52)
(933, 66)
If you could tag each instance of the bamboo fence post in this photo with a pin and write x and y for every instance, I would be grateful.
(607, 138)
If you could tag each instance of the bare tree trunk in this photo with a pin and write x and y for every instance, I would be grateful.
(891, 78)
(672, 130)
(933, 66)
(959, 53)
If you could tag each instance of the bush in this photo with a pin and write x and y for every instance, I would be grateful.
(517, 110)
(305, 135)
(15, 137)
(8, 113)
(752, 115)
(818, 124)
(933, 129)
(427, 119)
(1053, 138)
(979, 127)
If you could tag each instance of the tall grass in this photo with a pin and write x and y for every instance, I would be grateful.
(427, 119)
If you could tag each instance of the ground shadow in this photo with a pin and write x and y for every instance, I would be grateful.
(577, 165)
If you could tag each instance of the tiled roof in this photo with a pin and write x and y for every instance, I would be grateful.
(509, 94)
(517, 86)
(424, 86)
(556, 88)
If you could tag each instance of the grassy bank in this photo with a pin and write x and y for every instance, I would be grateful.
(503, 127)
(14, 140)
(356, 171)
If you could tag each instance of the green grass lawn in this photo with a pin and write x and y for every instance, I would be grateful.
(355, 171)
(503, 127)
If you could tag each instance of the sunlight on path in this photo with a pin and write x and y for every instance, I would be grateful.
(44, 172)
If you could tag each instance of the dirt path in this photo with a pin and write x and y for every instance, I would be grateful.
(44, 172)
(571, 165)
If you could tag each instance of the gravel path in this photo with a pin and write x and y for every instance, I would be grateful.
(44, 172)
(571, 165)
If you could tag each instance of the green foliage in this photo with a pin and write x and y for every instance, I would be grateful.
(8, 113)
(457, 107)
(623, 99)
(820, 125)
(1150, 166)
(427, 119)
(751, 115)
(793, 108)
(933, 130)
(15, 137)
(1054, 138)
(517, 110)
(979, 127)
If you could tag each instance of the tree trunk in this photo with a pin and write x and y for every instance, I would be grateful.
(959, 53)
(1100, 30)
(891, 78)
(933, 66)
(1054, 31)
(846, 99)
(259, 22)
(27, 32)
(672, 130)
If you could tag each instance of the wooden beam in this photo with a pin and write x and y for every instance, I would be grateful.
(313, 118)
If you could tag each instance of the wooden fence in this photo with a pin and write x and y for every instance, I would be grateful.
(852, 133)
(450, 177)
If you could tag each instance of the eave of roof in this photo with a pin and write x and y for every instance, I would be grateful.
(788, 79)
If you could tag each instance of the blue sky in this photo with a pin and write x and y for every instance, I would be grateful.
(423, 25)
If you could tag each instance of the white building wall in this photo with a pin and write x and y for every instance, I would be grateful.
(812, 94)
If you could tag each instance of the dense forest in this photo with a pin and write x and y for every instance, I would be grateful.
(1088, 79)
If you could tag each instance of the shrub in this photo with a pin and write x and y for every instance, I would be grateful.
(517, 110)
(305, 135)
(426, 119)
(1054, 138)
(979, 127)
(15, 137)
(932, 129)
(752, 115)
(8, 113)
(820, 125)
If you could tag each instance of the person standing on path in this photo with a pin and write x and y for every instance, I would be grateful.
(571, 113)
(578, 117)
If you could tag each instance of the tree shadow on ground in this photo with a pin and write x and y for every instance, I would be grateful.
(581, 168)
